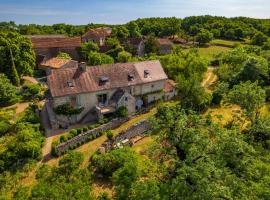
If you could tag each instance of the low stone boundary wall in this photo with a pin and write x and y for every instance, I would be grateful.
(138, 129)
(84, 136)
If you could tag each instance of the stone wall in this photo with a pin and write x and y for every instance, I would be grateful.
(138, 129)
(84, 136)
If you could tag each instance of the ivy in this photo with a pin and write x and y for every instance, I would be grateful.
(67, 110)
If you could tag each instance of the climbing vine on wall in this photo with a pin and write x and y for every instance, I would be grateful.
(67, 110)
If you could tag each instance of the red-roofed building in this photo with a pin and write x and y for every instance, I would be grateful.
(48, 46)
(164, 45)
(97, 35)
(103, 89)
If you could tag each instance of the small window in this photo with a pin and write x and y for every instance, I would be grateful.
(152, 86)
(70, 84)
(126, 98)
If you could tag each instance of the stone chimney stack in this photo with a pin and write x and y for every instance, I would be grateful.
(82, 66)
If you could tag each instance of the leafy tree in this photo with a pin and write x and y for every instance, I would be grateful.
(120, 32)
(116, 47)
(259, 131)
(204, 156)
(95, 58)
(87, 48)
(259, 39)
(204, 36)
(64, 55)
(70, 182)
(266, 45)
(110, 162)
(133, 29)
(124, 57)
(16, 56)
(8, 92)
(150, 45)
(221, 90)
(70, 162)
(249, 96)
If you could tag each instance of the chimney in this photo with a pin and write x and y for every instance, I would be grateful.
(82, 66)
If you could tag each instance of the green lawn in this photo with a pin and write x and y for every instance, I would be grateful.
(217, 46)
(211, 51)
(228, 43)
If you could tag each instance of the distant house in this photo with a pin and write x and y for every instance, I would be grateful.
(97, 35)
(49, 46)
(164, 46)
(101, 90)
(136, 44)
(57, 63)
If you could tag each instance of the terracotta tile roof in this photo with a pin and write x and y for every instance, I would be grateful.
(50, 42)
(169, 86)
(55, 63)
(89, 81)
(164, 41)
(98, 32)
(132, 41)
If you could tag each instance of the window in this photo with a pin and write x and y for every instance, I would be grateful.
(126, 98)
(152, 86)
(102, 99)
(70, 84)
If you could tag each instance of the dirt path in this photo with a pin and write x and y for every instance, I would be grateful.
(209, 79)
(30, 79)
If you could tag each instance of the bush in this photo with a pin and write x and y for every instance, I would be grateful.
(122, 111)
(31, 91)
(30, 115)
(4, 127)
(109, 134)
(54, 151)
(8, 92)
(62, 138)
(85, 129)
(73, 132)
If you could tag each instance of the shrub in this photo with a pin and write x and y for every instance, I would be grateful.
(62, 138)
(67, 110)
(31, 91)
(85, 129)
(122, 111)
(73, 132)
(90, 137)
(79, 131)
(4, 127)
(8, 92)
(54, 151)
(109, 134)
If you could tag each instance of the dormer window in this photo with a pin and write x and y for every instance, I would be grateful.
(103, 80)
(146, 73)
(130, 77)
(70, 84)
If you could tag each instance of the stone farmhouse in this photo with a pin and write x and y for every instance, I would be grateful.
(101, 90)
(164, 46)
(48, 46)
(97, 35)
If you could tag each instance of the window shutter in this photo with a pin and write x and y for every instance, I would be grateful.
(68, 99)
(78, 100)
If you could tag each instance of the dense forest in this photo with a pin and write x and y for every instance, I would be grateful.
(196, 150)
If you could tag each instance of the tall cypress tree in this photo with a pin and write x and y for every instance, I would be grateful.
(14, 74)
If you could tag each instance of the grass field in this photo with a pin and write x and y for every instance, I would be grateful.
(216, 47)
